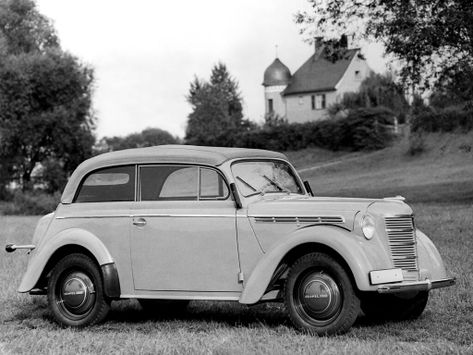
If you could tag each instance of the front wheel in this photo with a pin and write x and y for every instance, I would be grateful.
(319, 295)
(75, 292)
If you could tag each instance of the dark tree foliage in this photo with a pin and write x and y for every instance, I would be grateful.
(147, 138)
(454, 89)
(23, 29)
(45, 113)
(430, 37)
(217, 112)
(46, 119)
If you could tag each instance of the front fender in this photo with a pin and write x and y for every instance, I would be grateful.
(73, 236)
(430, 262)
(360, 255)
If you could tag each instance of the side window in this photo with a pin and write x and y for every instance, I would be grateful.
(181, 183)
(108, 185)
(168, 182)
(212, 185)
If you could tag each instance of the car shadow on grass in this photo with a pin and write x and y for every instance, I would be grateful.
(226, 313)
(196, 317)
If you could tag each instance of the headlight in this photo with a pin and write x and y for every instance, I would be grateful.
(368, 226)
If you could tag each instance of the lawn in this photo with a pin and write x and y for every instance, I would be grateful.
(445, 327)
(439, 186)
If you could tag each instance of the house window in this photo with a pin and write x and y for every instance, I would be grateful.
(301, 100)
(270, 106)
(318, 102)
(357, 75)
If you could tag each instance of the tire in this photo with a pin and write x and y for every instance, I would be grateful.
(163, 307)
(394, 307)
(75, 292)
(319, 296)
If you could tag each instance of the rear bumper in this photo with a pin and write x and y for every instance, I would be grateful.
(425, 285)
(10, 248)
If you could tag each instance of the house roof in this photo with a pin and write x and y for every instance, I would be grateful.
(185, 154)
(319, 74)
(276, 74)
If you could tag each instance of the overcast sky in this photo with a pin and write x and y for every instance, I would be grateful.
(146, 52)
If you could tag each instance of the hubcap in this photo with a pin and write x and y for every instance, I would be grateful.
(76, 295)
(317, 298)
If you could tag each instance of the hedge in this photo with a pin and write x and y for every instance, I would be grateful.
(446, 120)
(363, 128)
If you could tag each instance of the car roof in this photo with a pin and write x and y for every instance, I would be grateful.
(185, 154)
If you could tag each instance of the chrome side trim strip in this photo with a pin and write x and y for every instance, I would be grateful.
(156, 215)
(96, 216)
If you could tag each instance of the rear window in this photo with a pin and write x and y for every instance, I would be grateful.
(108, 185)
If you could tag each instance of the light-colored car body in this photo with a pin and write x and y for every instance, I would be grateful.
(229, 248)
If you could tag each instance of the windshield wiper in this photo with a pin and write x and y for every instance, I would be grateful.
(255, 191)
(277, 185)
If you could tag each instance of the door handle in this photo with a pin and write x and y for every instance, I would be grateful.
(139, 222)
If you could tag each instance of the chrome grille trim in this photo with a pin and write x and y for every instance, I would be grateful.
(402, 243)
(300, 220)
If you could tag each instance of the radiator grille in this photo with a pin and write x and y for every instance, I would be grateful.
(402, 242)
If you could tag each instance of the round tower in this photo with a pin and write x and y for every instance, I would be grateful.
(276, 77)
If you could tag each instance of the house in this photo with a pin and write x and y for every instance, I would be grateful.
(317, 84)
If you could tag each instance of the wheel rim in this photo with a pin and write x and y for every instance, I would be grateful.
(75, 294)
(317, 298)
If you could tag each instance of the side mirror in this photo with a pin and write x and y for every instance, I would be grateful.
(308, 188)
(236, 197)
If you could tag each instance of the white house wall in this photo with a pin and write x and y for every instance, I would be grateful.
(274, 93)
(299, 107)
(350, 81)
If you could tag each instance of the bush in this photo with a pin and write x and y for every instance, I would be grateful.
(32, 203)
(445, 120)
(363, 128)
(416, 144)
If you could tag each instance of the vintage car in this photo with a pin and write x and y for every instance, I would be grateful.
(188, 223)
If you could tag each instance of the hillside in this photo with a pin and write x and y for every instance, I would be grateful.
(442, 173)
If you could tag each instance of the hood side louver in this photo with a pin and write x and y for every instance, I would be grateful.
(301, 220)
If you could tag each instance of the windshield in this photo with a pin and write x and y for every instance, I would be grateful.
(260, 177)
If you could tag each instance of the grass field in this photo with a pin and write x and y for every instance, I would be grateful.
(445, 327)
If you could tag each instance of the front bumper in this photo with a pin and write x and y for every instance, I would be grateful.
(425, 285)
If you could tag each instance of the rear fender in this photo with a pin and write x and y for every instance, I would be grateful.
(46, 249)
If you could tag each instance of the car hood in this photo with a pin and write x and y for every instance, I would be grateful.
(336, 210)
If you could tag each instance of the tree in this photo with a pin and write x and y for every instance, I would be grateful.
(45, 98)
(217, 111)
(375, 91)
(23, 29)
(454, 89)
(429, 37)
(147, 138)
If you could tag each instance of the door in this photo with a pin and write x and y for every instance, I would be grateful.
(183, 233)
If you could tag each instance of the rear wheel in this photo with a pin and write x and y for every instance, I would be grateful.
(394, 307)
(75, 292)
(319, 295)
